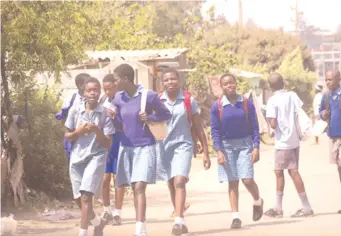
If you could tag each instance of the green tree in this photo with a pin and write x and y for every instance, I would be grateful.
(36, 37)
(297, 78)
(127, 27)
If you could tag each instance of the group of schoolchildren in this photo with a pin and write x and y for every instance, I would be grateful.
(111, 135)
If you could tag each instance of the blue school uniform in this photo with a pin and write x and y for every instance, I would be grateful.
(137, 154)
(235, 137)
(75, 100)
(88, 157)
(111, 166)
(176, 151)
(334, 98)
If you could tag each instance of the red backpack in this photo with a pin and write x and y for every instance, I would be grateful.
(220, 108)
(188, 107)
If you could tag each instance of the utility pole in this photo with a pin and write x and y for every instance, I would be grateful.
(297, 18)
(240, 11)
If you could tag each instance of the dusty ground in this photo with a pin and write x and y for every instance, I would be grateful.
(210, 210)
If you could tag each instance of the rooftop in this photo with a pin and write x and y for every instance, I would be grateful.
(136, 55)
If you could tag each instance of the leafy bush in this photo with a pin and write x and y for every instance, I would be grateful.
(297, 78)
(45, 162)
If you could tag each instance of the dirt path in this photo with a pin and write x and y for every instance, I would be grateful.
(210, 210)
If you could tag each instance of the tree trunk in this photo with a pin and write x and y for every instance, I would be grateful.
(11, 154)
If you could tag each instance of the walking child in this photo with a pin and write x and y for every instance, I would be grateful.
(137, 155)
(90, 130)
(330, 111)
(235, 134)
(110, 215)
(177, 148)
(281, 112)
(73, 101)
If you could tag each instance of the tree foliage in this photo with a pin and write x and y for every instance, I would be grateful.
(298, 78)
(36, 37)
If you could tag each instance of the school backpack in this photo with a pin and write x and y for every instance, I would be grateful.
(60, 115)
(245, 106)
(188, 108)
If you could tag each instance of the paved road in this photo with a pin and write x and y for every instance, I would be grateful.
(210, 211)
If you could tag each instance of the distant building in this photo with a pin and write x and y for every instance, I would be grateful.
(326, 51)
(148, 65)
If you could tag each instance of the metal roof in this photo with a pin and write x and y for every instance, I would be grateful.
(136, 55)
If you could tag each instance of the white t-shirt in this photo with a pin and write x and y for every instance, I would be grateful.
(283, 106)
(317, 103)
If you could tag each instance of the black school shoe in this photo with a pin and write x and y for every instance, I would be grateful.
(107, 217)
(116, 220)
(98, 230)
(339, 212)
(258, 212)
(178, 230)
(236, 224)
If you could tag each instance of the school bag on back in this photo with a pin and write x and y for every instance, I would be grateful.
(245, 107)
(188, 108)
(158, 129)
(65, 111)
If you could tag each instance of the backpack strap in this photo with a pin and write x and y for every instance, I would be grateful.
(188, 106)
(102, 100)
(220, 108)
(72, 100)
(245, 107)
(102, 118)
(326, 95)
(160, 95)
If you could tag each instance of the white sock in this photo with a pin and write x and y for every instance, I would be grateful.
(305, 202)
(179, 220)
(257, 202)
(279, 199)
(235, 215)
(140, 227)
(108, 209)
(117, 212)
(96, 221)
(83, 232)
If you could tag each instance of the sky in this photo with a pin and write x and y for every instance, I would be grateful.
(325, 14)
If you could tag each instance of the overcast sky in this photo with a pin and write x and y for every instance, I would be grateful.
(325, 14)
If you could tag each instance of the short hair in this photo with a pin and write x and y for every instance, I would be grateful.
(109, 78)
(335, 72)
(92, 80)
(227, 75)
(170, 70)
(276, 81)
(80, 79)
(125, 71)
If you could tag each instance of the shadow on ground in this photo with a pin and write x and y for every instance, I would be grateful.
(245, 227)
(40, 231)
(156, 221)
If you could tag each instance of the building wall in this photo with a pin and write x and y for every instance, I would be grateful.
(158, 83)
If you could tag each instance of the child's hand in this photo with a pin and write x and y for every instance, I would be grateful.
(93, 127)
(325, 115)
(112, 113)
(83, 129)
(143, 116)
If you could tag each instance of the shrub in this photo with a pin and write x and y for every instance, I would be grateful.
(45, 162)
